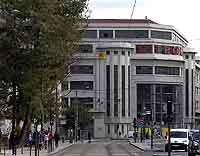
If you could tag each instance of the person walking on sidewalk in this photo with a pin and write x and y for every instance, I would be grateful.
(56, 138)
(89, 137)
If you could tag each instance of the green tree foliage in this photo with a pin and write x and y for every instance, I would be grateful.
(84, 117)
(37, 42)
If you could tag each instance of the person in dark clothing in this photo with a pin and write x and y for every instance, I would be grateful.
(89, 137)
(56, 138)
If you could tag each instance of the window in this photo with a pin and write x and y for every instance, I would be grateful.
(141, 49)
(116, 90)
(86, 48)
(131, 34)
(115, 52)
(129, 53)
(186, 57)
(90, 34)
(107, 52)
(144, 70)
(123, 90)
(81, 85)
(161, 35)
(108, 93)
(81, 69)
(105, 34)
(123, 52)
(167, 70)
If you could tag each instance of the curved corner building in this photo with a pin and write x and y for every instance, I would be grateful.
(129, 69)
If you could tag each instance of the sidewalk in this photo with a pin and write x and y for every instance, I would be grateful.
(158, 145)
(43, 152)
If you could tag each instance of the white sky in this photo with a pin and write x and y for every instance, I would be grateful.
(183, 14)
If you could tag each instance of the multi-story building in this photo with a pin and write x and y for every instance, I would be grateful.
(128, 68)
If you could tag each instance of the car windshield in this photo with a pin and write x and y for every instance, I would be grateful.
(196, 136)
(178, 135)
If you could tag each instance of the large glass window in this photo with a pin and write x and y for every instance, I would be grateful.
(161, 35)
(86, 48)
(81, 69)
(108, 88)
(144, 70)
(167, 70)
(129, 91)
(81, 85)
(105, 34)
(131, 34)
(141, 49)
(116, 99)
(154, 97)
(90, 34)
(172, 50)
(123, 90)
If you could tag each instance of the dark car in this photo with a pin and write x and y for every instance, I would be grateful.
(194, 144)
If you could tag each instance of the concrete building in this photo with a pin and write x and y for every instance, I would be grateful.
(128, 68)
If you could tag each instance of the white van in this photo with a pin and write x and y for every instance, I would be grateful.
(179, 139)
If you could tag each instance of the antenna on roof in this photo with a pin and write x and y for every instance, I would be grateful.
(133, 10)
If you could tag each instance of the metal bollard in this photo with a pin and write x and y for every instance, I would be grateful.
(22, 150)
(30, 149)
(4, 150)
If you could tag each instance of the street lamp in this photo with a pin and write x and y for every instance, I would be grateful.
(36, 137)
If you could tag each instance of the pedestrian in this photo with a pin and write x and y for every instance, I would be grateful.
(89, 137)
(56, 138)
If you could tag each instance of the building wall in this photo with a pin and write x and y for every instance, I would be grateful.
(103, 38)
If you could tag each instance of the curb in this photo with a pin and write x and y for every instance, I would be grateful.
(60, 150)
(137, 147)
(145, 150)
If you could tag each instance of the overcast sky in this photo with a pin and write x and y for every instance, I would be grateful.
(183, 14)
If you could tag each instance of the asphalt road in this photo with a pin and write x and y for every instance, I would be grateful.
(109, 148)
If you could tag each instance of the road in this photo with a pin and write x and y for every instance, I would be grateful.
(109, 148)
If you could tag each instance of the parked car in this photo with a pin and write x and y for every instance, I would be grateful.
(194, 144)
(179, 139)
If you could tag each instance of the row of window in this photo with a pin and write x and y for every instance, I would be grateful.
(141, 34)
(88, 69)
(161, 70)
(159, 49)
(140, 49)
(78, 85)
(87, 101)
(115, 52)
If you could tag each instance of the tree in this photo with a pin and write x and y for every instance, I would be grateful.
(84, 117)
(37, 41)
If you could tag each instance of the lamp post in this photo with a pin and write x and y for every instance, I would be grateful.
(76, 118)
(169, 118)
